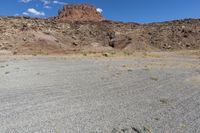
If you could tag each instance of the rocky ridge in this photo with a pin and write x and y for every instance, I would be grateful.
(24, 35)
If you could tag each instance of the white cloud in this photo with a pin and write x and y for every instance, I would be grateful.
(99, 10)
(34, 12)
(45, 2)
(47, 7)
(16, 14)
(59, 2)
(25, 13)
(25, 1)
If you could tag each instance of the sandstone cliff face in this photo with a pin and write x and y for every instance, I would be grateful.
(79, 13)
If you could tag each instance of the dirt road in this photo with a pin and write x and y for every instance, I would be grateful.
(88, 95)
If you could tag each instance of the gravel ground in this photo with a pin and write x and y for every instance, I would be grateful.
(105, 95)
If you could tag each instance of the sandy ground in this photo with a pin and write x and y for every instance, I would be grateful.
(103, 95)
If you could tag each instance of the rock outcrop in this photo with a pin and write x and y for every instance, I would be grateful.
(80, 12)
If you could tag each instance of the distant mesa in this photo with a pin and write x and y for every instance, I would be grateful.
(79, 12)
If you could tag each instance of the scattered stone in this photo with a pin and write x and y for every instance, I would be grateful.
(7, 72)
(105, 54)
(136, 130)
(125, 130)
(154, 78)
(115, 131)
(164, 101)
(157, 119)
(147, 129)
(129, 70)
(15, 52)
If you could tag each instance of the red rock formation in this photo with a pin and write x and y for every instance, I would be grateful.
(80, 12)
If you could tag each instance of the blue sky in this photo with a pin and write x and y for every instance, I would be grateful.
(142, 11)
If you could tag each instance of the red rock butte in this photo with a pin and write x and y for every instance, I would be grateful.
(82, 12)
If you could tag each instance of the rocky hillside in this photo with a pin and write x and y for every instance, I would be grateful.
(23, 35)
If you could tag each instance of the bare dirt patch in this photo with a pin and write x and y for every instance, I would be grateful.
(90, 94)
